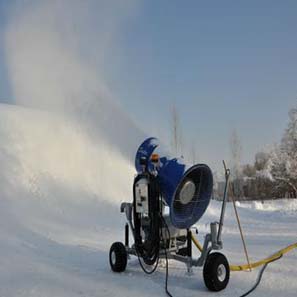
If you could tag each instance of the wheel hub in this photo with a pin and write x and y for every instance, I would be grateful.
(221, 272)
(113, 258)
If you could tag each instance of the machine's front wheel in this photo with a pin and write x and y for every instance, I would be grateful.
(118, 257)
(216, 272)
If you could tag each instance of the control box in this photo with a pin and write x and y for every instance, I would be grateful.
(141, 196)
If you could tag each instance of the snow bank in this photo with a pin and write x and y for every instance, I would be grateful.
(283, 205)
(286, 206)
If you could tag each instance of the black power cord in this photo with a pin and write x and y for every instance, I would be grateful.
(259, 277)
(166, 257)
(153, 238)
(148, 250)
(144, 269)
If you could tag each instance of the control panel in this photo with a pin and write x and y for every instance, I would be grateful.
(141, 196)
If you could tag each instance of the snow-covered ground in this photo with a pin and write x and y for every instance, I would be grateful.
(60, 192)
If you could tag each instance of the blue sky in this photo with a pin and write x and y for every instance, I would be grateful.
(224, 64)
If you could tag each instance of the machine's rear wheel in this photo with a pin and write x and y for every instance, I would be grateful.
(216, 272)
(118, 257)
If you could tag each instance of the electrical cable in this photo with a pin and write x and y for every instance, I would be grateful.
(144, 269)
(260, 277)
(149, 249)
(158, 257)
(166, 257)
(153, 236)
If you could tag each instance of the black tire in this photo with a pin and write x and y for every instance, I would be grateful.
(118, 257)
(216, 272)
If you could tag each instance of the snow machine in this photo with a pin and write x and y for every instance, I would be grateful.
(169, 198)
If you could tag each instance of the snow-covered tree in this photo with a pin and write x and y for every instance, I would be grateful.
(284, 158)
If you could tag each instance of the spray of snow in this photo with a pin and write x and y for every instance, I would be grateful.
(71, 132)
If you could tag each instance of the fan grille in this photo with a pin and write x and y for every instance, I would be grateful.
(184, 214)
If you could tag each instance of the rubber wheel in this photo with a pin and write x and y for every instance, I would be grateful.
(216, 272)
(118, 257)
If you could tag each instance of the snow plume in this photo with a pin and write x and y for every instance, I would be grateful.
(57, 53)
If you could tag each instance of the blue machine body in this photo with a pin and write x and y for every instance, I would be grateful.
(172, 173)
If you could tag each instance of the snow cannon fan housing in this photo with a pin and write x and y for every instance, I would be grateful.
(186, 190)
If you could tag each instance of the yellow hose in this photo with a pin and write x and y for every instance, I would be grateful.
(197, 244)
(255, 264)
